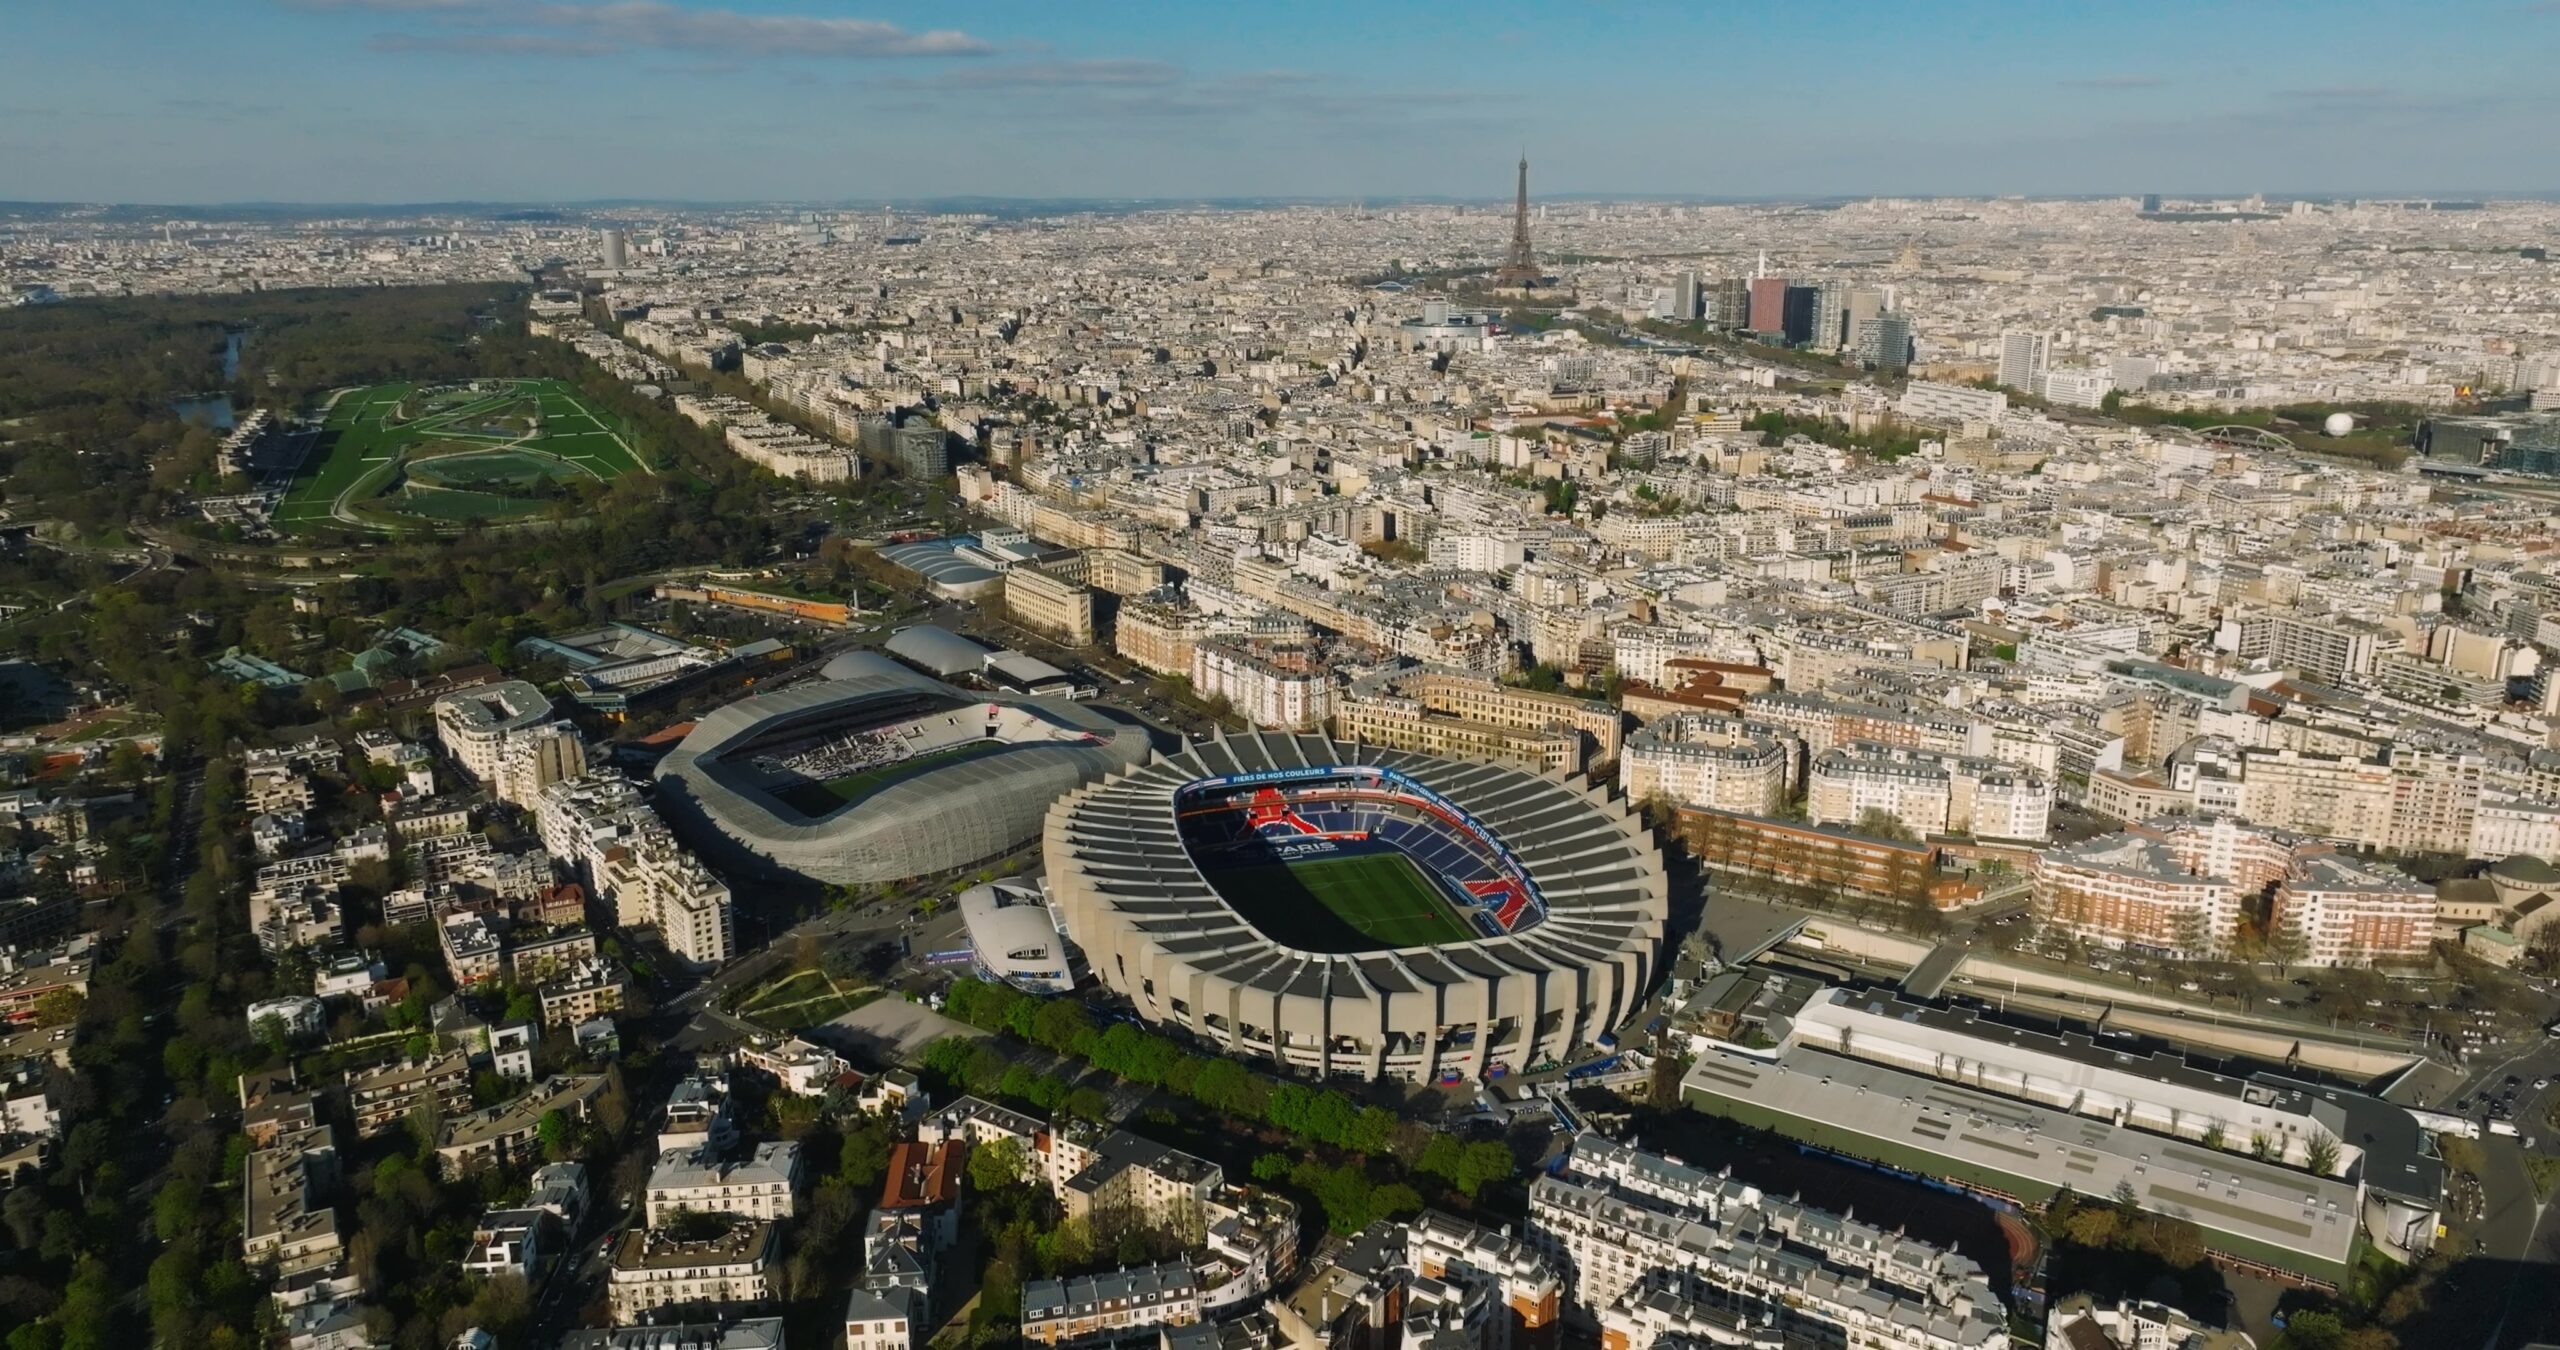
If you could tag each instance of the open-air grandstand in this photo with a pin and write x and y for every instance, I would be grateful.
(1451, 850)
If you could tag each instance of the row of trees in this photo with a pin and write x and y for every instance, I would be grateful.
(1309, 1117)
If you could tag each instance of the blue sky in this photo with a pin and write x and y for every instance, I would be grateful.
(175, 101)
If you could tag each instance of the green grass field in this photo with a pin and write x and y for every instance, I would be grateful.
(1361, 903)
(354, 476)
(817, 799)
(801, 1000)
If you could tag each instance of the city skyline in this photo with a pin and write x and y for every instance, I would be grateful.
(409, 101)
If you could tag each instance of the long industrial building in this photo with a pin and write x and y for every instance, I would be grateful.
(2275, 1217)
(1563, 891)
(2276, 1171)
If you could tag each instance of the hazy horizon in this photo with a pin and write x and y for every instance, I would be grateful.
(405, 102)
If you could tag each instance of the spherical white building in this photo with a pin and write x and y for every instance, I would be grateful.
(2338, 424)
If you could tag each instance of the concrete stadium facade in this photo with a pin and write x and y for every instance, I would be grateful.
(1155, 930)
(942, 817)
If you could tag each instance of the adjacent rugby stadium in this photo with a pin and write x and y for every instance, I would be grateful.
(875, 773)
(1360, 912)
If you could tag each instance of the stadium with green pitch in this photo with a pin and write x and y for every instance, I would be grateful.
(1347, 910)
(1353, 902)
(439, 457)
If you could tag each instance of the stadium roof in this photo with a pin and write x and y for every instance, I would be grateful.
(939, 562)
(1602, 898)
(945, 815)
(938, 650)
(1013, 934)
(1025, 672)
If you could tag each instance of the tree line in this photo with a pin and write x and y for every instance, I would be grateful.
(1352, 1191)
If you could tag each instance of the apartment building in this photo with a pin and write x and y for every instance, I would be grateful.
(1823, 857)
(2326, 647)
(763, 1184)
(1123, 573)
(1278, 687)
(2409, 798)
(1458, 715)
(510, 1132)
(654, 882)
(655, 1268)
(505, 736)
(2435, 798)
(1951, 404)
(2177, 888)
(748, 1333)
(2331, 796)
(286, 1215)
(580, 993)
(1095, 1171)
(381, 1099)
(1826, 722)
(2505, 825)
(2341, 911)
(1098, 1172)
(923, 1189)
(1158, 635)
(881, 1320)
(1927, 793)
(1615, 1218)
(1709, 760)
(470, 948)
(1113, 1308)
(1524, 1282)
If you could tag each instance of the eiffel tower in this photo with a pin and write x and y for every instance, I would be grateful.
(1521, 268)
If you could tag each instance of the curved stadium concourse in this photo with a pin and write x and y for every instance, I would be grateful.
(1362, 912)
(876, 773)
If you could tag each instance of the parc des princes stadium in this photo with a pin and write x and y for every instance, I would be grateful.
(876, 773)
(1361, 912)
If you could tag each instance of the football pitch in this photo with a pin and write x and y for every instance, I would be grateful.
(1366, 902)
(481, 451)
(817, 799)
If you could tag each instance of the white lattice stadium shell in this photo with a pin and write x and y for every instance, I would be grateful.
(986, 769)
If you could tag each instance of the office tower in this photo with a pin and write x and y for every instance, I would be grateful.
(2023, 358)
(1768, 305)
(1862, 306)
(1796, 316)
(1829, 330)
(1684, 297)
(1887, 344)
(2151, 203)
(616, 253)
(1521, 267)
(1730, 304)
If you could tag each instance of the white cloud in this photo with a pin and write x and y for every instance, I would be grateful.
(566, 29)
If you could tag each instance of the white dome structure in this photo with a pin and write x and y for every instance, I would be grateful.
(2338, 424)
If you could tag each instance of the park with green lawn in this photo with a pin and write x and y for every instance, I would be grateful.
(400, 455)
